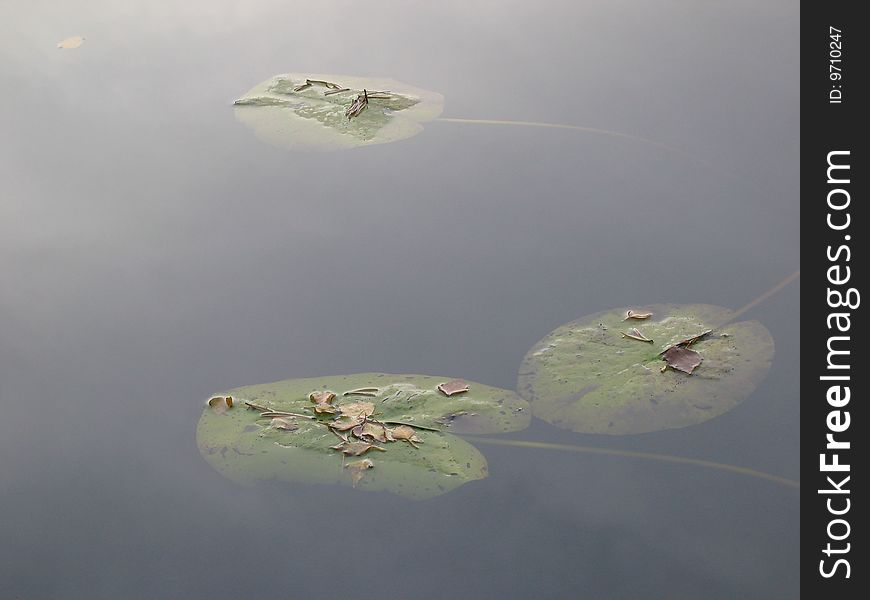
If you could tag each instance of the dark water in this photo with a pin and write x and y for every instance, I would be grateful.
(153, 251)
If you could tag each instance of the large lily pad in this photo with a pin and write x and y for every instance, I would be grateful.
(313, 118)
(247, 448)
(593, 375)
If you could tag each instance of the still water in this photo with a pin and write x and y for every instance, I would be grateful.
(154, 251)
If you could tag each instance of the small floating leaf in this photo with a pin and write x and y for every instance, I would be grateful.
(457, 386)
(71, 42)
(357, 468)
(585, 376)
(302, 111)
(682, 359)
(638, 315)
(635, 334)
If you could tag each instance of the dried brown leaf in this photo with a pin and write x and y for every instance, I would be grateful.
(457, 386)
(405, 433)
(344, 425)
(357, 409)
(371, 431)
(682, 359)
(355, 448)
(283, 423)
(221, 404)
(322, 397)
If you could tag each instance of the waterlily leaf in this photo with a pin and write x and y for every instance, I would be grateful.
(305, 111)
(240, 444)
(588, 377)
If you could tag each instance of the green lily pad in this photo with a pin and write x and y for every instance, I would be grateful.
(247, 448)
(594, 375)
(313, 118)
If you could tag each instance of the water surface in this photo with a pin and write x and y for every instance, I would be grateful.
(153, 251)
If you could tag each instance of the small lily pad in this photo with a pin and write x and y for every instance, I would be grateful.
(305, 111)
(244, 446)
(589, 377)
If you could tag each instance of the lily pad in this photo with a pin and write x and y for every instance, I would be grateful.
(287, 111)
(589, 377)
(242, 444)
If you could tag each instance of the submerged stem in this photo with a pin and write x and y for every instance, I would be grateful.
(642, 455)
(594, 130)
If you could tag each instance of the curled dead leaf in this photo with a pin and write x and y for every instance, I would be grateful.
(221, 404)
(457, 386)
(635, 334)
(638, 315)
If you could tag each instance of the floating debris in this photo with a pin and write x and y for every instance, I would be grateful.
(357, 468)
(71, 42)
